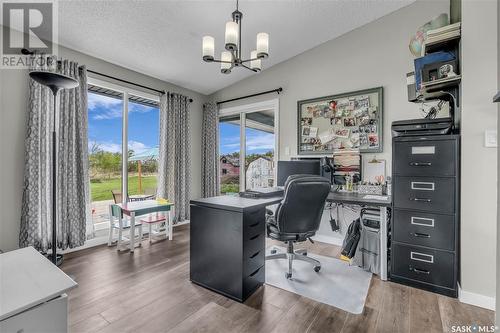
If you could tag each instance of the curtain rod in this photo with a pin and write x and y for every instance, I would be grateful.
(277, 90)
(29, 52)
(129, 82)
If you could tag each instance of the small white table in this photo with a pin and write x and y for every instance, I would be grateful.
(137, 208)
(32, 293)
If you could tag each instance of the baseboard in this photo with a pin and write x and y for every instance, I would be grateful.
(328, 239)
(482, 301)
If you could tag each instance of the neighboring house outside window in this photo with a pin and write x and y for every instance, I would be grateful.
(260, 173)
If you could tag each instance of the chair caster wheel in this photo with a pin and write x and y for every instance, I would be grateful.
(317, 268)
(273, 251)
(304, 253)
(288, 275)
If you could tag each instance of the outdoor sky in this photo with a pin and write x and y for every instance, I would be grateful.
(105, 123)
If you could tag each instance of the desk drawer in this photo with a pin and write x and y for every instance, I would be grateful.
(425, 193)
(253, 262)
(253, 281)
(421, 158)
(425, 265)
(424, 229)
(254, 224)
(253, 243)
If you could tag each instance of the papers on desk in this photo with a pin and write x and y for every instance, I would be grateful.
(376, 197)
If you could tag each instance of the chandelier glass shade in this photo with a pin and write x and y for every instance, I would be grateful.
(232, 56)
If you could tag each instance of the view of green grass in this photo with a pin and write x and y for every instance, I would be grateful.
(102, 190)
(229, 188)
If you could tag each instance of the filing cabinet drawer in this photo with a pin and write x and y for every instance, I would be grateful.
(253, 281)
(254, 261)
(253, 244)
(421, 158)
(425, 265)
(424, 229)
(425, 193)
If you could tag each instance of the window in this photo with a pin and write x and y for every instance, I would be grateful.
(247, 147)
(107, 124)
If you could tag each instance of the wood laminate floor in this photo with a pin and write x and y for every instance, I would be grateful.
(150, 291)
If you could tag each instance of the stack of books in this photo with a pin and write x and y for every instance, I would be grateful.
(444, 33)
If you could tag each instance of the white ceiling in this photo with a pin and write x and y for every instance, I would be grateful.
(163, 38)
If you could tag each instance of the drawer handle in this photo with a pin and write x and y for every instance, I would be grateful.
(258, 269)
(254, 255)
(423, 186)
(420, 271)
(415, 220)
(255, 237)
(418, 234)
(421, 200)
(420, 163)
(422, 257)
(254, 225)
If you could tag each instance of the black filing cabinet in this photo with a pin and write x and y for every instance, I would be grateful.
(227, 245)
(425, 225)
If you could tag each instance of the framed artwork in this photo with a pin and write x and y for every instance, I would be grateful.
(348, 121)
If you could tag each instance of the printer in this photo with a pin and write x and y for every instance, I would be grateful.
(422, 127)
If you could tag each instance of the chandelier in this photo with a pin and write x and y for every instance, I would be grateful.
(232, 57)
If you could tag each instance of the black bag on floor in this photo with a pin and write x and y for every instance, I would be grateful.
(351, 240)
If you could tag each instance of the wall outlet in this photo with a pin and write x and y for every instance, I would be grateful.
(490, 139)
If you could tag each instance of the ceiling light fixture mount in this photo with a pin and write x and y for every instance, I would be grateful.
(233, 56)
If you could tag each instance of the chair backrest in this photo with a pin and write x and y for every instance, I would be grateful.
(117, 196)
(302, 207)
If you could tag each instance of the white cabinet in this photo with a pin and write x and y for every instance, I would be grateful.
(48, 317)
(32, 293)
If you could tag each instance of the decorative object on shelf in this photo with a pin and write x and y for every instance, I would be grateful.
(55, 82)
(343, 122)
(418, 40)
(233, 56)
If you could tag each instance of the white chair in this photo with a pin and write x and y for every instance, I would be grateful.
(118, 222)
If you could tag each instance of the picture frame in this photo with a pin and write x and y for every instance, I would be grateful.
(354, 119)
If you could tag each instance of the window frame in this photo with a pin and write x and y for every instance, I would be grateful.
(126, 92)
(242, 110)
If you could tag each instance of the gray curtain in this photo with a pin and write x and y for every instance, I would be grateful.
(72, 167)
(210, 151)
(175, 149)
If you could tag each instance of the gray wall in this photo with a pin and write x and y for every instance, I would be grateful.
(479, 164)
(377, 55)
(13, 96)
(497, 313)
(373, 55)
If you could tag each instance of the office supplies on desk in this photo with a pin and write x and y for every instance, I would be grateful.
(266, 192)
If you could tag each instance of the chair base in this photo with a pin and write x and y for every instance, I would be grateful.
(291, 255)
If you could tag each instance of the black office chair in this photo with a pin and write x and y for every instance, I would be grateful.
(297, 217)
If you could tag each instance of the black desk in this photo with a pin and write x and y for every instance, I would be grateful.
(227, 243)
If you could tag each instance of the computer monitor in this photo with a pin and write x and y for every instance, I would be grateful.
(288, 168)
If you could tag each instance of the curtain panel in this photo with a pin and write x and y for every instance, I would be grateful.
(210, 151)
(73, 203)
(174, 154)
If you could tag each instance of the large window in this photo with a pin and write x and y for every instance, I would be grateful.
(247, 149)
(108, 128)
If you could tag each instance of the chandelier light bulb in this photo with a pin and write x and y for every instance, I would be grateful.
(262, 45)
(208, 48)
(256, 64)
(225, 65)
(231, 36)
